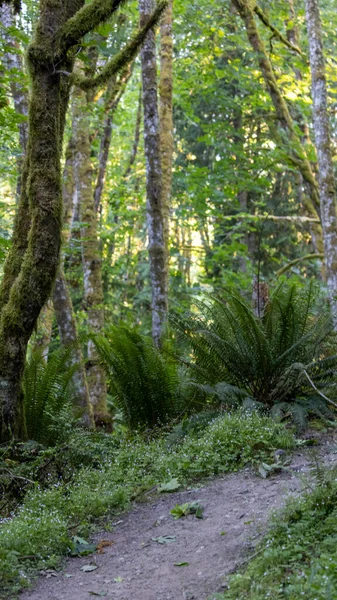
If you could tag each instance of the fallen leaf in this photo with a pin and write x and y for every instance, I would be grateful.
(103, 544)
(181, 564)
(165, 539)
(98, 593)
(169, 486)
(88, 568)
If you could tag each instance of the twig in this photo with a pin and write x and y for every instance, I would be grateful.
(16, 476)
(252, 556)
(318, 391)
(263, 17)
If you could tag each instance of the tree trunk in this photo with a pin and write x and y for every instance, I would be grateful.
(116, 93)
(13, 61)
(166, 119)
(154, 208)
(63, 305)
(326, 179)
(44, 329)
(93, 289)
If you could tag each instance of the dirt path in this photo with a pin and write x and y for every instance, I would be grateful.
(135, 567)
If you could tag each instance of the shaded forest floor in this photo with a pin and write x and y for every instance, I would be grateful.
(136, 566)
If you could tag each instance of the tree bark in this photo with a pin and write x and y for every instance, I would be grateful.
(166, 119)
(93, 299)
(154, 208)
(326, 179)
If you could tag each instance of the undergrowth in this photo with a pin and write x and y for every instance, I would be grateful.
(298, 556)
(95, 474)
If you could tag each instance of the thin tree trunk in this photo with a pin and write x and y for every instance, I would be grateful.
(93, 299)
(116, 93)
(326, 179)
(63, 305)
(14, 63)
(166, 119)
(154, 208)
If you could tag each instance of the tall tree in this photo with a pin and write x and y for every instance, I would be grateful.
(326, 178)
(154, 204)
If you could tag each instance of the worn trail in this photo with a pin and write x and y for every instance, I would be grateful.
(135, 567)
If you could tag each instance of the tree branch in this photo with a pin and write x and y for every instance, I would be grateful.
(263, 17)
(125, 56)
(85, 20)
(296, 261)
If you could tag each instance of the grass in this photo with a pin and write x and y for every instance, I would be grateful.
(98, 475)
(298, 556)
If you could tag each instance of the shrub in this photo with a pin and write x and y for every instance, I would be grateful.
(279, 360)
(144, 386)
(47, 394)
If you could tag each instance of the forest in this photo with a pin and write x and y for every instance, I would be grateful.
(168, 299)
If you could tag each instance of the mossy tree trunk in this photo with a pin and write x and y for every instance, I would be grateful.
(326, 178)
(93, 298)
(63, 305)
(154, 207)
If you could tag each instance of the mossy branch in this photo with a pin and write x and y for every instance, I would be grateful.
(85, 20)
(263, 17)
(124, 57)
(296, 261)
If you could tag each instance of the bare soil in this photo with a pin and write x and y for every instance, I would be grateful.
(135, 567)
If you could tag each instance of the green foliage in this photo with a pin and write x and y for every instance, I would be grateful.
(188, 508)
(265, 357)
(47, 393)
(120, 471)
(191, 425)
(298, 557)
(144, 386)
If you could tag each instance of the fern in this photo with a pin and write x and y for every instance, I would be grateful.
(47, 390)
(147, 389)
(263, 357)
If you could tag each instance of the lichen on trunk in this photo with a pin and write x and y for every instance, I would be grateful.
(326, 178)
(154, 207)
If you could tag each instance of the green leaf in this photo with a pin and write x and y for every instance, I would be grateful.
(88, 568)
(181, 564)
(171, 486)
(165, 539)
